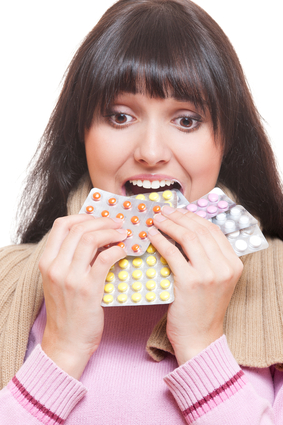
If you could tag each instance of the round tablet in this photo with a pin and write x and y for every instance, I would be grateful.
(141, 197)
(149, 222)
(244, 219)
(192, 207)
(122, 298)
(143, 235)
(150, 296)
(163, 261)
(129, 233)
(222, 205)
(212, 209)
(151, 249)
(108, 288)
(167, 194)
(110, 277)
(135, 247)
(142, 207)
(136, 286)
(165, 283)
(202, 202)
(136, 298)
(137, 274)
(151, 260)
(112, 267)
(96, 196)
(137, 262)
(230, 225)
(122, 287)
(123, 263)
(105, 213)
(165, 271)
(108, 298)
(112, 201)
(248, 230)
(151, 273)
(123, 275)
(121, 244)
(89, 209)
(154, 196)
(135, 219)
(241, 245)
(164, 296)
(201, 213)
(150, 285)
(212, 197)
(255, 241)
(121, 216)
(127, 205)
(221, 217)
(233, 235)
(235, 211)
(156, 209)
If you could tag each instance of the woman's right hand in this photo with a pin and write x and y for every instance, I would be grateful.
(73, 274)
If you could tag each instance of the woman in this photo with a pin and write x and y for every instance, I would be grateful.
(164, 73)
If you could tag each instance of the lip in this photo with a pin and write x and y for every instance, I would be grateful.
(151, 178)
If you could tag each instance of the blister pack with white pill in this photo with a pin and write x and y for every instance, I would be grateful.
(167, 196)
(137, 216)
(143, 280)
(248, 240)
(236, 218)
(208, 206)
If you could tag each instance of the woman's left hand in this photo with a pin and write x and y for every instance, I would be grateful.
(203, 282)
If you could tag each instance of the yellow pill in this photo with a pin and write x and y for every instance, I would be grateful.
(163, 261)
(150, 296)
(151, 249)
(136, 298)
(150, 285)
(137, 274)
(137, 262)
(165, 283)
(169, 203)
(136, 286)
(140, 196)
(112, 267)
(167, 194)
(153, 196)
(123, 275)
(110, 277)
(123, 263)
(122, 298)
(165, 271)
(164, 296)
(151, 260)
(109, 288)
(151, 273)
(122, 287)
(108, 299)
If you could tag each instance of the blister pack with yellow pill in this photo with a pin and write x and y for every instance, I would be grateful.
(137, 216)
(143, 280)
(167, 196)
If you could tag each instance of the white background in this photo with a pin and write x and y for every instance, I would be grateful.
(38, 40)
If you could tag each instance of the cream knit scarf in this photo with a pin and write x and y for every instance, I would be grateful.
(254, 319)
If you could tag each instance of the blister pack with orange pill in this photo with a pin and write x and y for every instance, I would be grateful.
(137, 216)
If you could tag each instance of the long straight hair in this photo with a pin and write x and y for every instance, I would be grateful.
(161, 48)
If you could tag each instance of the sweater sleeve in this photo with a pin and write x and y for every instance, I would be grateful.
(212, 389)
(40, 393)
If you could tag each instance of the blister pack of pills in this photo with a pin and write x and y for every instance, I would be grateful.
(143, 280)
(137, 216)
(248, 240)
(236, 218)
(166, 196)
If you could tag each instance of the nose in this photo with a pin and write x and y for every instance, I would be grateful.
(153, 147)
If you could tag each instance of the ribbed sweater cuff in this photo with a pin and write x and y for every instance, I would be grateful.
(44, 390)
(206, 381)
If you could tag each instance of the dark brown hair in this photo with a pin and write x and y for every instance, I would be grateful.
(160, 47)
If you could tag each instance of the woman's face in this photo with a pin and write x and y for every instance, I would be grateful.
(147, 143)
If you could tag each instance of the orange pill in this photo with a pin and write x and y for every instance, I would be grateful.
(107, 246)
(156, 209)
(120, 215)
(142, 207)
(149, 222)
(105, 213)
(142, 235)
(96, 196)
(135, 219)
(89, 209)
(129, 233)
(112, 201)
(136, 248)
(121, 244)
(127, 205)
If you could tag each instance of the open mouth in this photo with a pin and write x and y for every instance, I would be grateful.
(135, 187)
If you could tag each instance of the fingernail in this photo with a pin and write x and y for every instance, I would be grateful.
(153, 231)
(124, 231)
(117, 220)
(159, 217)
(167, 210)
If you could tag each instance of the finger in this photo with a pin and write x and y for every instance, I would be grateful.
(104, 261)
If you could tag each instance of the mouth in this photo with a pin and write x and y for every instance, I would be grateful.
(135, 187)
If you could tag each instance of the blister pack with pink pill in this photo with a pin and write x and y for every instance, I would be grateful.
(247, 240)
(236, 218)
(137, 216)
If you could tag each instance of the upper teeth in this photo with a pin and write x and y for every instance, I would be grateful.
(155, 184)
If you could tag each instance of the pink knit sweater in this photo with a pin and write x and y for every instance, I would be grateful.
(123, 385)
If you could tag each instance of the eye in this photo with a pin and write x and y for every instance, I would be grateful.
(187, 123)
(119, 119)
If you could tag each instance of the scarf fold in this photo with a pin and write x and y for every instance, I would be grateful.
(253, 322)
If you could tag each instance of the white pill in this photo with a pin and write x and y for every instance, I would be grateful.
(247, 231)
(221, 217)
(241, 245)
(230, 225)
(235, 211)
(255, 241)
(234, 235)
(244, 219)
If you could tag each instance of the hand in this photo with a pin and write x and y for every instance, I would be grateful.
(73, 274)
(203, 282)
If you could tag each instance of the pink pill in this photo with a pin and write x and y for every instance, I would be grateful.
(202, 202)
(192, 207)
(201, 214)
(211, 209)
(222, 205)
(213, 197)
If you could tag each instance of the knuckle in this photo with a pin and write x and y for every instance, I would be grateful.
(77, 229)
(88, 239)
(104, 258)
(59, 222)
(171, 251)
(188, 235)
(54, 274)
(210, 278)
